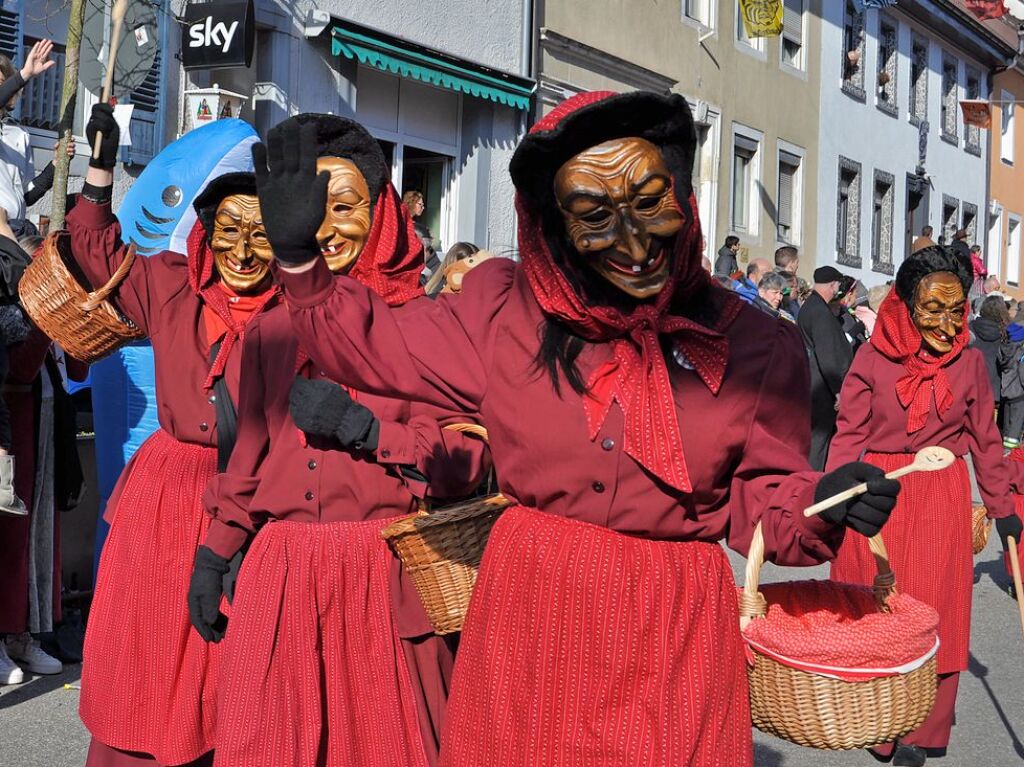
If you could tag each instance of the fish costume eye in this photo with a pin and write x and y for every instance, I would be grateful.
(171, 196)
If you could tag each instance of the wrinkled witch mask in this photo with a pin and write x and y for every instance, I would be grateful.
(346, 223)
(938, 313)
(241, 251)
(620, 214)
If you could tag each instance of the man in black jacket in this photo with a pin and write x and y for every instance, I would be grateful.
(830, 356)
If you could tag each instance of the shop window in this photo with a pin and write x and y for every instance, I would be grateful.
(744, 174)
(1007, 133)
(788, 208)
(888, 56)
(853, 52)
(791, 44)
(1013, 250)
(883, 206)
(848, 214)
(950, 219)
(950, 102)
(919, 81)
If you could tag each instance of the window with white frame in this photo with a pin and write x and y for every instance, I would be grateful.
(1008, 109)
(791, 44)
(882, 212)
(745, 166)
(972, 133)
(950, 101)
(699, 11)
(757, 43)
(848, 214)
(919, 80)
(993, 256)
(788, 203)
(888, 56)
(853, 51)
(1013, 250)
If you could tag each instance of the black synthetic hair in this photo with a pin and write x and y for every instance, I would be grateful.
(210, 198)
(666, 122)
(341, 137)
(934, 258)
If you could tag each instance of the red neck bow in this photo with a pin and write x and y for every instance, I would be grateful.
(896, 337)
(230, 313)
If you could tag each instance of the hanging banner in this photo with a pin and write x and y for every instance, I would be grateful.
(986, 9)
(978, 113)
(863, 5)
(762, 18)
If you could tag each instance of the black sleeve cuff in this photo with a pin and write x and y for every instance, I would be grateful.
(97, 194)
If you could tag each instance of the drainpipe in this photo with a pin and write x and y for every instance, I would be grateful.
(526, 44)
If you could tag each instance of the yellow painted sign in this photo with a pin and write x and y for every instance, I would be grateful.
(762, 18)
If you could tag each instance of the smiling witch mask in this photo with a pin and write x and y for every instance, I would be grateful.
(241, 251)
(620, 213)
(346, 223)
(938, 312)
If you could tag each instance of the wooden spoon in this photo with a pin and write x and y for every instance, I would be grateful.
(1011, 549)
(117, 20)
(927, 459)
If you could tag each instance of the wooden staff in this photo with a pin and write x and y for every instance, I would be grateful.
(117, 19)
(1015, 569)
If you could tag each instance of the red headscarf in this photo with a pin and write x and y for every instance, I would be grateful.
(637, 378)
(222, 308)
(897, 338)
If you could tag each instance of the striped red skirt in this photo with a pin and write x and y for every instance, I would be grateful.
(147, 676)
(587, 648)
(312, 670)
(928, 537)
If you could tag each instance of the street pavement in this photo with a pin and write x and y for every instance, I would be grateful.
(39, 725)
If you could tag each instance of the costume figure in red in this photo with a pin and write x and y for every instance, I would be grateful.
(638, 415)
(329, 658)
(917, 384)
(147, 678)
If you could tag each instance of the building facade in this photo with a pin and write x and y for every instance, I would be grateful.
(1006, 194)
(895, 155)
(755, 102)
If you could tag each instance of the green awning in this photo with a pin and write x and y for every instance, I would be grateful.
(430, 67)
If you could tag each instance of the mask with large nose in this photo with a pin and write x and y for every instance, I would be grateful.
(241, 251)
(938, 311)
(620, 214)
(346, 223)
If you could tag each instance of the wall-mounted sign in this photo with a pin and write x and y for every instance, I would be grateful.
(218, 35)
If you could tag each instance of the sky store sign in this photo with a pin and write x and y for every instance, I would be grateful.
(218, 35)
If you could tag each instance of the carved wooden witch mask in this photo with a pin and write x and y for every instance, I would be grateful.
(346, 223)
(939, 310)
(620, 213)
(241, 251)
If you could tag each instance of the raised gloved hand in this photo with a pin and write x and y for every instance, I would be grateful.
(326, 409)
(867, 512)
(1008, 526)
(293, 196)
(102, 120)
(204, 593)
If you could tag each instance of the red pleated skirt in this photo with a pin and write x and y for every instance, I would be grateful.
(929, 540)
(587, 648)
(147, 676)
(312, 670)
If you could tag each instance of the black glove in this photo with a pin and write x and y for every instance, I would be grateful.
(1008, 526)
(326, 409)
(204, 593)
(102, 120)
(291, 192)
(867, 512)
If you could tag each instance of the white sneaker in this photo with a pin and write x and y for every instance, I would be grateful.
(26, 651)
(9, 672)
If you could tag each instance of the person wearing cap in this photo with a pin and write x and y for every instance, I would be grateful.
(147, 678)
(830, 355)
(326, 631)
(638, 416)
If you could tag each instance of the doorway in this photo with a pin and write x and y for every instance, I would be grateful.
(427, 172)
(918, 199)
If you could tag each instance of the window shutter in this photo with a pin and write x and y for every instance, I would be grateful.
(145, 125)
(787, 182)
(745, 144)
(10, 34)
(793, 20)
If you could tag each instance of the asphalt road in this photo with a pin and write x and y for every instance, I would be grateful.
(39, 725)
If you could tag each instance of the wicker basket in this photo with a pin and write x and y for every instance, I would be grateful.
(981, 526)
(85, 324)
(441, 551)
(823, 712)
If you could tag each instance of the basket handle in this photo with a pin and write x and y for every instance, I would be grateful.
(97, 297)
(753, 604)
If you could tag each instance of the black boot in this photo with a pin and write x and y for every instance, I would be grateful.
(909, 756)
